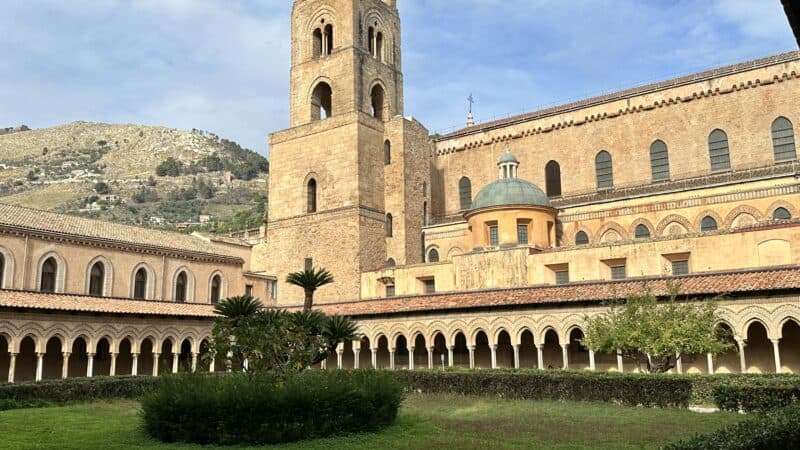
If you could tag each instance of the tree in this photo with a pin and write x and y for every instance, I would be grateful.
(169, 167)
(657, 334)
(310, 280)
(102, 188)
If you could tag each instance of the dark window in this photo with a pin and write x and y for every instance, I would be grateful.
(425, 214)
(659, 161)
(377, 97)
(328, 39)
(248, 290)
(390, 262)
(781, 214)
(371, 41)
(783, 140)
(308, 264)
(317, 42)
(522, 233)
(562, 276)
(49, 272)
(322, 102)
(618, 272)
(311, 196)
(96, 279)
(465, 193)
(216, 288)
(494, 239)
(390, 291)
(552, 176)
(641, 232)
(708, 224)
(2, 269)
(389, 225)
(581, 238)
(430, 286)
(680, 267)
(140, 284)
(433, 255)
(180, 287)
(387, 152)
(718, 151)
(604, 170)
(379, 46)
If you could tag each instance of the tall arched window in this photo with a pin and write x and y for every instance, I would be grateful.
(328, 39)
(216, 289)
(389, 225)
(659, 161)
(781, 214)
(379, 46)
(97, 278)
(140, 284)
(377, 97)
(433, 255)
(641, 232)
(718, 151)
(783, 140)
(425, 214)
(708, 224)
(311, 196)
(552, 177)
(322, 102)
(581, 238)
(47, 281)
(316, 42)
(371, 41)
(387, 152)
(181, 285)
(604, 170)
(465, 193)
(2, 270)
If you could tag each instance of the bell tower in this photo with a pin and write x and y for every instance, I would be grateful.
(343, 174)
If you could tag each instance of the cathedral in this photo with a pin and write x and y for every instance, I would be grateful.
(486, 247)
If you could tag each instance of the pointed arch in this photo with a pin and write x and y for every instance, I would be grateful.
(183, 285)
(51, 273)
(217, 287)
(7, 264)
(321, 101)
(99, 277)
(378, 103)
(708, 221)
(666, 227)
(143, 282)
(465, 193)
(552, 176)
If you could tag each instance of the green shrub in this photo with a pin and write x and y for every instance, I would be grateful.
(775, 429)
(755, 398)
(260, 409)
(73, 389)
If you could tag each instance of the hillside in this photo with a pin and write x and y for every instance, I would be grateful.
(133, 174)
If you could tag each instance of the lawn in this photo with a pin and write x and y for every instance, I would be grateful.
(426, 421)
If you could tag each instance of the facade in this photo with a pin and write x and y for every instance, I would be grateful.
(483, 248)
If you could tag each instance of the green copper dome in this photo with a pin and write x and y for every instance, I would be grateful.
(510, 191)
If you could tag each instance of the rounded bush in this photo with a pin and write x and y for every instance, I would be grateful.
(261, 409)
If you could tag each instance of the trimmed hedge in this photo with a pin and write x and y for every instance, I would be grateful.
(250, 409)
(43, 393)
(775, 429)
(755, 398)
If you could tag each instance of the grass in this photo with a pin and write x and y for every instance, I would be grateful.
(425, 421)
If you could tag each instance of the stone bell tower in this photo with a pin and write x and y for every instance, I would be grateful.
(342, 175)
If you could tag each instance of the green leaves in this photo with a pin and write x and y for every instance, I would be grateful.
(310, 280)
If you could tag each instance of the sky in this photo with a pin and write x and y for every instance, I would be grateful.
(223, 65)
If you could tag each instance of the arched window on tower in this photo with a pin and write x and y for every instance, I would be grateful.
(181, 282)
(140, 284)
(433, 255)
(328, 39)
(379, 46)
(659, 161)
(311, 196)
(783, 144)
(316, 43)
(465, 193)
(552, 176)
(322, 102)
(387, 152)
(47, 281)
(377, 97)
(718, 151)
(389, 225)
(216, 289)
(97, 276)
(604, 170)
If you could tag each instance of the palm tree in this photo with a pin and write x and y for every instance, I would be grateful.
(237, 308)
(310, 280)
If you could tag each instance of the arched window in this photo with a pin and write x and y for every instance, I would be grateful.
(216, 289)
(783, 140)
(371, 41)
(311, 196)
(425, 214)
(641, 232)
(659, 161)
(604, 170)
(379, 46)
(322, 102)
(718, 151)
(389, 225)
(581, 238)
(2, 269)
(390, 262)
(552, 176)
(328, 39)
(181, 284)
(433, 255)
(708, 224)
(97, 278)
(377, 97)
(387, 152)
(465, 193)
(140, 284)
(781, 214)
(316, 39)
(47, 281)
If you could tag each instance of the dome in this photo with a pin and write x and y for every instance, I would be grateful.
(508, 157)
(510, 191)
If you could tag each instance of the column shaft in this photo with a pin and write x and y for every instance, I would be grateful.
(493, 350)
(777, 353)
(374, 357)
(710, 361)
(156, 356)
(135, 364)
(472, 357)
(90, 365)
(516, 356)
(450, 355)
(742, 361)
(113, 371)
(540, 357)
(12, 363)
(175, 357)
(391, 359)
(356, 355)
(194, 362)
(565, 356)
(620, 363)
(430, 357)
(39, 364)
(410, 358)
(65, 365)
(592, 365)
